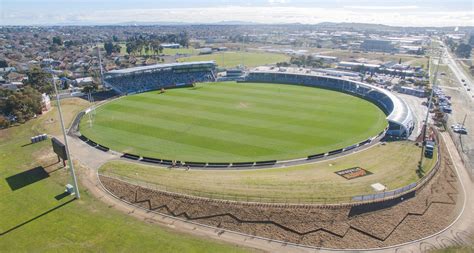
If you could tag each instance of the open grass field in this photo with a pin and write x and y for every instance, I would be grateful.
(33, 220)
(346, 55)
(234, 122)
(393, 165)
(174, 51)
(166, 51)
(233, 59)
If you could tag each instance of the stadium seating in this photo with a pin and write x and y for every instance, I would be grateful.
(136, 83)
(154, 77)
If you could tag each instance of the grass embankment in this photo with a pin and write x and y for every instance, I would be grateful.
(393, 165)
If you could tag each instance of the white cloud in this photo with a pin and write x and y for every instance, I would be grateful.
(277, 14)
(278, 1)
(385, 7)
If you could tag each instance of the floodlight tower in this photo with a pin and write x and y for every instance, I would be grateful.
(71, 165)
(100, 67)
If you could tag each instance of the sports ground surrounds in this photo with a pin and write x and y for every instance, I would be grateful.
(429, 210)
(394, 165)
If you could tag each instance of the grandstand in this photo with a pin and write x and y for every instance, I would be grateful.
(153, 77)
(398, 113)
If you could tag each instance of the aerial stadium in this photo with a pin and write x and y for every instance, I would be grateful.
(240, 156)
(261, 119)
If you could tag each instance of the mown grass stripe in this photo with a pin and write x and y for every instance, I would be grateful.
(314, 128)
(251, 127)
(210, 141)
(147, 145)
(310, 94)
(264, 113)
(207, 131)
(291, 103)
(211, 124)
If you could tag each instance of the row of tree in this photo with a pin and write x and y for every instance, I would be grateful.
(150, 43)
(19, 106)
(462, 50)
(302, 61)
(138, 46)
(110, 47)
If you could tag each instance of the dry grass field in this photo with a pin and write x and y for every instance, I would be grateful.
(393, 164)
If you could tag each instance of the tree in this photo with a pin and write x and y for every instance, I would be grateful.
(90, 88)
(282, 64)
(39, 80)
(3, 63)
(156, 47)
(117, 48)
(130, 47)
(68, 43)
(4, 122)
(115, 38)
(463, 50)
(109, 47)
(183, 39)
(23, 105)
(57, 40)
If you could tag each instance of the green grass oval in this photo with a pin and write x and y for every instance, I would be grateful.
(234, 122)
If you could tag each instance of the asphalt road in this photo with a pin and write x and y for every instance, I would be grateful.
(459, 73)
(463, 107)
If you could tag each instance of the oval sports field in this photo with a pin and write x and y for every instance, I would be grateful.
(234, 122)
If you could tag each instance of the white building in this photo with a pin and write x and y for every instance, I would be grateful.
(83, 81)
(45, 103)
(325, 58)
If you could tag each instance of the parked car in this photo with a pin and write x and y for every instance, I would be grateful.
(446, 109)
(460, 130)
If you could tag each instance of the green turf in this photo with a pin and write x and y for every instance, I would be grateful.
(174, 51)
(234, 122)
(32, 220)
(233, 59)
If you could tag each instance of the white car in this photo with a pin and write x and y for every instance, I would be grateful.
(460, 130)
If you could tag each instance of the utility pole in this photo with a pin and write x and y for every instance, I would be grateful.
(430, 102)
(460, 135)
(71, 166)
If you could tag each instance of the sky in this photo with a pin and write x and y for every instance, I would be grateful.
(388, 12)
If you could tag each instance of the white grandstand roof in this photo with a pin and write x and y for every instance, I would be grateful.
(158, 66)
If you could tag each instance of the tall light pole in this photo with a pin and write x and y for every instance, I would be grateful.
(100, 68)
(71, 166)
(430, 102)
